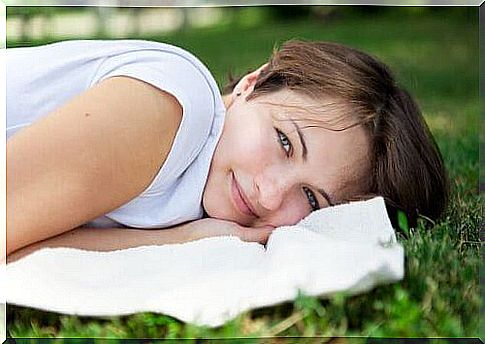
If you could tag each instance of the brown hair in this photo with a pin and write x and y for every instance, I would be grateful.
(407, 167)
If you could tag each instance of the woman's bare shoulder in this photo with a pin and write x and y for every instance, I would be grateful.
(88, 157)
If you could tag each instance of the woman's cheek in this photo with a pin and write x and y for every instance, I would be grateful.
(290, 214)
(298, 214)
(256, 146)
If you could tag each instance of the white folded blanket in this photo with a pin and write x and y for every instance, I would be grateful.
(349, 248)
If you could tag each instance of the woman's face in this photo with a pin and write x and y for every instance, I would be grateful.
(268, 169)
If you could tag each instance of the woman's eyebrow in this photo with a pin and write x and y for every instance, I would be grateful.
(326, 196)
(302, 140)
(304, 156)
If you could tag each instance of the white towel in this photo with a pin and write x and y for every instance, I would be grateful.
(348, 248)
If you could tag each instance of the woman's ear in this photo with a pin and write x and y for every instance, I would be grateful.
(246, 85)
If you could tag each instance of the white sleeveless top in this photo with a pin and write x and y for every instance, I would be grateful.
(40, 79)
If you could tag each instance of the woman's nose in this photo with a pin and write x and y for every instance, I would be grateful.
(272, 187)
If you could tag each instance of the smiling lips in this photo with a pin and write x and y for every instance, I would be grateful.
(240, 199)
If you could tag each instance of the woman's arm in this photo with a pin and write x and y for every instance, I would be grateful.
(90, 156)
(109, 239)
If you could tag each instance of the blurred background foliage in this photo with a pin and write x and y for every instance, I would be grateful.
(434, 53)
(26, 23)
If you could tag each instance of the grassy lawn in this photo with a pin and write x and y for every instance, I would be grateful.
(435, 55)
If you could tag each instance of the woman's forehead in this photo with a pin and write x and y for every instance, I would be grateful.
(328, 112)
(339, 160)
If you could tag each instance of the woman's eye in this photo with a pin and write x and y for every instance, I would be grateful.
(312, 200)
(285, 142)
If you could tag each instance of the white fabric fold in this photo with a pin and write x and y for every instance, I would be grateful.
(349, 248)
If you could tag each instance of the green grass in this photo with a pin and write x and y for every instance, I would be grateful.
(435, 55)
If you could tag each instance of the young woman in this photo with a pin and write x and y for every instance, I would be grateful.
(135, 135)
